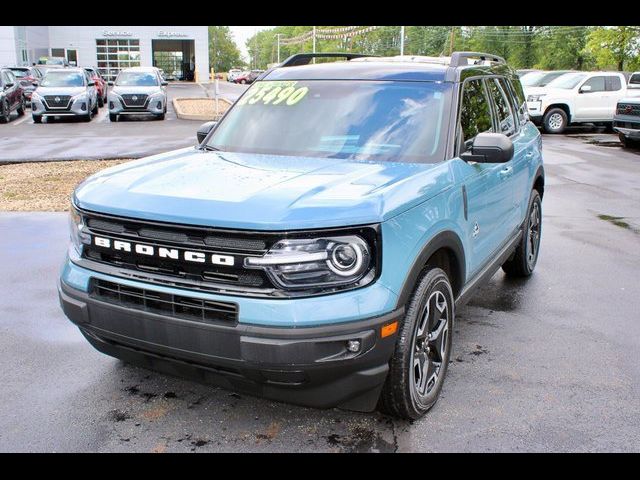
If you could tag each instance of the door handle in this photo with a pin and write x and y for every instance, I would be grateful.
(506, 172)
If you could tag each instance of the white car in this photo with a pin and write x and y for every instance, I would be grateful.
(138, 91)
(634, 81)
(233, 74)
(578, 97)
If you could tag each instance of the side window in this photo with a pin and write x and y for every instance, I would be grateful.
(475, 114)
(519, 100)
(596, 84)
(613, 83)
(505, 119)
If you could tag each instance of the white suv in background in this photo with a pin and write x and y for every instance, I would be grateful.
(578, 97)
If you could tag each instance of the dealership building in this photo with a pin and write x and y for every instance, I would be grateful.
(182, 52)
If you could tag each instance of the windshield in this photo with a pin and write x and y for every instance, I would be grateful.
(19, 72)
(359, 120)
(63, 79)
(530, 79)
(137, 79)
(567, 81)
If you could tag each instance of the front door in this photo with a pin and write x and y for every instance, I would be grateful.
(488, 187)
(594, 103)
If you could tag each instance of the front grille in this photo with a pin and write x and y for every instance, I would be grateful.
(201, 240)
(628, 109)
(58, 101)
(134, 99)
(178, 306)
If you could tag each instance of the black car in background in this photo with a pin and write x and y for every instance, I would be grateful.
(27, 76)
(11, 97)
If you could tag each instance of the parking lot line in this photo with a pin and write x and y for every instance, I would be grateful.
(21, 120)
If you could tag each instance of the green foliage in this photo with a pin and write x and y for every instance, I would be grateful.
(570, 47)
(223, 51)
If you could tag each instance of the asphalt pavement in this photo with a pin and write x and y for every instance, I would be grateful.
(547, 364)
(66, 138)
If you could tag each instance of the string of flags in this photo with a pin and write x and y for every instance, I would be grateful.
(329, 34)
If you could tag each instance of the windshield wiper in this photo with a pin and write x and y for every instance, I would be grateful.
(210, 148)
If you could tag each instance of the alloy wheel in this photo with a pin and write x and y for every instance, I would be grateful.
(430, 349)
(556, 121)
(533, 235)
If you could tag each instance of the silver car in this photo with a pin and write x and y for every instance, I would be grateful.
(138, 91)
(64, 92)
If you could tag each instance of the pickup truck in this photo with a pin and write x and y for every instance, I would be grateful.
(627, 121)
(313, 247)
(575, 98)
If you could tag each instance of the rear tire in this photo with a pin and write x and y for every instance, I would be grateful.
(419, 363)
(113, 117)
(525, 257)
(555, 121)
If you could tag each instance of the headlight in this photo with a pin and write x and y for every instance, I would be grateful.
(76, 226)
(535, 98)
(318, 262)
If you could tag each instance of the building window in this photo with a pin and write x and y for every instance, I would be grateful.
(115, 54)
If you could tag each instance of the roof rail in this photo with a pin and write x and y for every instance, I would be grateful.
(460, 59)
(305, 58)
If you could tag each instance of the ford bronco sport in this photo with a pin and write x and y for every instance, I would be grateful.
(313, 247)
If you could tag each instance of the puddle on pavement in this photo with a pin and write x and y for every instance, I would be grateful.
(361, 440)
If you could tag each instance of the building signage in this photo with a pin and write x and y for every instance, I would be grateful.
(109, 33)
(171, 34)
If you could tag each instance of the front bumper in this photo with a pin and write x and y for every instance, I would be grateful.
(153, 106)
(79, 107)
(303, 365)
(628, 125)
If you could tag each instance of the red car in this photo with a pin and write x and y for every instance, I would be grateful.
(101, 85)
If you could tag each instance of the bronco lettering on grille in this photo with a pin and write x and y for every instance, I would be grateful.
(164, 252)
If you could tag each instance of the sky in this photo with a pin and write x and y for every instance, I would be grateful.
(242, 34)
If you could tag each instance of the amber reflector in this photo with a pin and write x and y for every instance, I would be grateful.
(389, 329)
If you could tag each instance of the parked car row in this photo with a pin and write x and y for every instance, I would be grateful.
(558, 99)
(60, 91)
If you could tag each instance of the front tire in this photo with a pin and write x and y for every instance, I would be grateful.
(419, 363)
(555, 121)
(525, 257)
(100, 102)
(6, 112)
(37, 118)
(160, 117)
(627, 142)
(113, 117)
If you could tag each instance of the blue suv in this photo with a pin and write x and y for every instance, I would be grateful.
(315, 244)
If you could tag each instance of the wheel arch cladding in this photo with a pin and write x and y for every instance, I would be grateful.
(538, 183)
(444, 251)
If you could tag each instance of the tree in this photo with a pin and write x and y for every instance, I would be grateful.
(560, 48)
(223, 52)
(615, 47)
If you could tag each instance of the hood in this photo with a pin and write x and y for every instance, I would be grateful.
(262, 192)
(634, 100)
(60, 90)
(548, 91)
(133, 90)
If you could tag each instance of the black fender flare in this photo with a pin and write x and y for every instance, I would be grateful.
(539, 175)
(446, 239)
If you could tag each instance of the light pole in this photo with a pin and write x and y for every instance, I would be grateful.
(278, 36)
(401, 40)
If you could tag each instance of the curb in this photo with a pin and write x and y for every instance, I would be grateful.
(187, 116)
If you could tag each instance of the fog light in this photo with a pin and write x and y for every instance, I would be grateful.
(111, 106)
(353, 346)
(83, 107)
(159, 105)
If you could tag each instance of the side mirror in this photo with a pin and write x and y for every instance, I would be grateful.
(35, 84)
(585, 88)
(110, 84)
(489, 148)
(164, 83)
(8, 85)
(204, 130)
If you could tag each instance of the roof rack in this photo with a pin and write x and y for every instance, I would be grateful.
(460, 59)
(305, 58)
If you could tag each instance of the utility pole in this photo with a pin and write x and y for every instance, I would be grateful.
(278, 35)
(401, 40)
(453, 30)
(314, 42)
